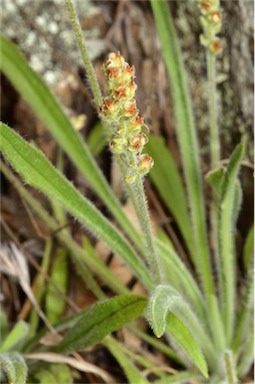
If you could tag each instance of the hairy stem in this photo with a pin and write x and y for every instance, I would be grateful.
(85, 57)
(214, 131)
(144, 219)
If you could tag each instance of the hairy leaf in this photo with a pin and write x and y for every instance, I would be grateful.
(162, 301)
(166, 310)
(15, 337)
(248, 251)
(187, 137)
(226, 246)
(100, 320)
(36, 93)
(14, 366)
(37, 171)
(167, 179)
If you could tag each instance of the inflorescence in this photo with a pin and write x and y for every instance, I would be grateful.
(211, 21)
(119, 110)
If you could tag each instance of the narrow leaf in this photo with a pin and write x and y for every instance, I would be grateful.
(248, 251)
(133, 375)
(54, 374)
(188, 285)
(182, 334)
(14, 366)
(54, 304)
(215, 179)
(166, 178)
(37, 171)
(161, 301)
(187, 137)
(4, 327)
(164, 304)
(36, 93)
(16, 337)
(100, 320)
(96, 140)
(180, 377)
(226, 246)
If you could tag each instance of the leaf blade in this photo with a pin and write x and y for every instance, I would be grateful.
(166, 178)
(225, 240)
(187, 137)
(14, 366)
(38, 172)
(100, 320)
(46, 107)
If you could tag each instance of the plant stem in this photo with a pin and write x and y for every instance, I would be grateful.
(214, 147)
(85, 57)
(214, 131)
(229, 366)
(144, 219)
(137, 196)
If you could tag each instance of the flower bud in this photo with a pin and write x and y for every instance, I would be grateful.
(130, 179)
(118, 144)
(109, 108)
(130, 108)
(216, 46)
(145, 164)
(206, 6)
(114, 60)
(137, 142)
(135, 125)
(214, 17)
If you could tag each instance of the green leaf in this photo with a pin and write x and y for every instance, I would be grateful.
(226, 246)
(248, 251)
(167, 180)
(133, 375)
(4, 327)
(215, 179)
(180, 332)
(36, 93)
(54, 374)
(96, 140)
(54, 304)
(80, 256)
(37, 171)
(15, 337)
(164, 302)
(14, 366)
(180, 377)
(187, 138)
(45, 377)
(174, 265)
(100, 320)
(161, 302)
